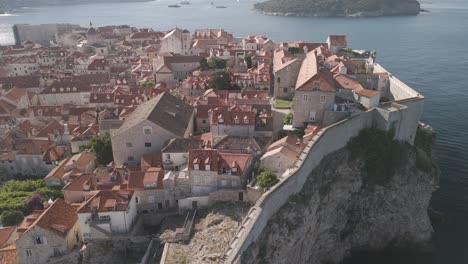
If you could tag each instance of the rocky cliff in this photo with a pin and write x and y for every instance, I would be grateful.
(341, 209)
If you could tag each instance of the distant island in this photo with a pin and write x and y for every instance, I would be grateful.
(11, 6)
(339, 8)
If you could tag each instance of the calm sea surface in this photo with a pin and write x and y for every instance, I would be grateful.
(429, 52)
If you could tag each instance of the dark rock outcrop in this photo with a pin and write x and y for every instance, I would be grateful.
(339, 211)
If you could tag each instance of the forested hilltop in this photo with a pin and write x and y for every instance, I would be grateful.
(339, 7)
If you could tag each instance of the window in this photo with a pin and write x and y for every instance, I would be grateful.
(150, 199)
(196, 166)
(168, 156)
(147, 145)
(285, 90)
(305, 97)
(130, 158)
(129, 145)
(207, 167)
(323, 98)
(147, 130)
(315, 85)
(136, 199)
(204, 121)
(40, 240)
(234, 183)
(224, 183)
(28, 252)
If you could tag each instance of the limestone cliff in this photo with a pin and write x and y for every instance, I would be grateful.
(340, 210)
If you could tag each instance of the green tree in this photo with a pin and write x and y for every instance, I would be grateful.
(216, 63)
(147, 84)
(204, 64)
(221, 81)
(266, 179)
(11, 218)
(287, 119)
(248, 61)
(102, 146)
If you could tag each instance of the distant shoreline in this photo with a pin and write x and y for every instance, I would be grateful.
(355, 15)
(11, 7)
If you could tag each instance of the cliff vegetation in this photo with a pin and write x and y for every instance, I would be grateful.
(368, 196)
(339, 7)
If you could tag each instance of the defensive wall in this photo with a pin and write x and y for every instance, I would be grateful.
(402, 115)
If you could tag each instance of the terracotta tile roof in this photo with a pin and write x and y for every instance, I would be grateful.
(31, 146)
(233, 117)
(102, 78)
(57, 214)
(63, 87)
(202, 110)
(338, 40)
(8, 255)
(135, 180)
(78, 183)
(366, 92)
(290, 141)
(55, 153)
(311, 72)
(5, 234)
(106, 178)
(203, 157)
(99, 200)
(281, 59)
(98, 65)
(150, 160)
(52, 127)
(58, 171)
(310, 46)
(21, 81)
(81, 159)
(181, 145)
(16, 94)
(232, 160)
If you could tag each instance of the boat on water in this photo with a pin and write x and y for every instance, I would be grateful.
(221, 6)
(185, 2)
(175, 6)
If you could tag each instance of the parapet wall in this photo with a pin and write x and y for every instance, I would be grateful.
(402, 114)
(326, 141)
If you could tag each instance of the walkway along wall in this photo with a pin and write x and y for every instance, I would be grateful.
(403, 115)
(326, 141)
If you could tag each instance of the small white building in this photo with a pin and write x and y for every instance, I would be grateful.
(106, 213)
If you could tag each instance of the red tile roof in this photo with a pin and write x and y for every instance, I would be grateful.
(99, 200)
(338, 40)
(5, 234)
(8, 255)
(57, 214)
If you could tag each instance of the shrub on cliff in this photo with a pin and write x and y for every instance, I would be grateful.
(266, 179)
(381, 154)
